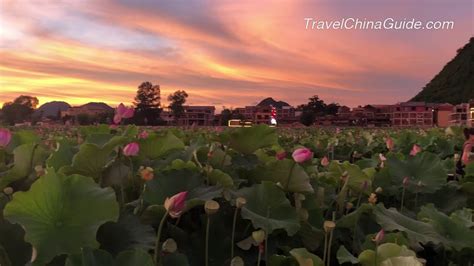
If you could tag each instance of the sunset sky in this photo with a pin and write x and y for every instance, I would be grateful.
(223, 53)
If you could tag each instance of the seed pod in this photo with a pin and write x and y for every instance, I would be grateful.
(237, 261)
(169, 246)
(258, 236)
(8, 191)
(349, 205)
(240, 202)
(329, 226)
(211, 207)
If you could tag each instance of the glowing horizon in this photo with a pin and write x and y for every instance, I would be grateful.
(222, 53)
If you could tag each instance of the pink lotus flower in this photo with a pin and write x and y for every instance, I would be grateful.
(302, 155)
(123, 112)
(325, 161)
(5, 137)
(175, 205)
(405, 181)
(131, 149)
(415, 150)
(143, 135)
(280, 155)
(379, 236)
(389, 143)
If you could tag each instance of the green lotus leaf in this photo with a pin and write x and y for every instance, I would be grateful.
(385, 252)
(175, 259)
(343, 256)
(156, 146)
(268, 208)
(425, 168)
(249, 139)
(53, 213)
(350, 220)
(417, 231)
(454, 231)
(218, 177)
(134, 257)
(169, 183)
(303, 257)
(284, 171)
(356, 176)
(127, 233)
(90, 160)
(25, 158)
(98, 257)
(401, 261)
(61, 156)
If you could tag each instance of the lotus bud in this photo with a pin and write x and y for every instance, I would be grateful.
(258, 236)
(131, 149)
(405, 181)
(382, 157)
(349, 206)
(280, 155)
(211, 207)
(372, 198)
(176, 204)
(237, 261)
(5, 137)
(169, 246)
(240, 202)
(143, 135)
(329, 226)
(389, 143)
(146, 173)
(325, 161)
(364, 185)
(302, 155)
(415, 149)
(379, 237)
(8, 191)
(378, 190)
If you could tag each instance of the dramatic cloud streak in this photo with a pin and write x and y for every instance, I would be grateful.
(222, 52)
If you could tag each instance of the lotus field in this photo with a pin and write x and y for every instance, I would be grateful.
(126, 195)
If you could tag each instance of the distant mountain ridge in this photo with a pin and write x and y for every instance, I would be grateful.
(455, 83)
(100, 105)
(51, 109)
(270, 101)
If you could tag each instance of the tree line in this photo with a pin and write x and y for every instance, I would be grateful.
(148, 108)
(147, 104)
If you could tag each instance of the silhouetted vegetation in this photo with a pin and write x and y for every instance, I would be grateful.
(455, 83)
(19, 110)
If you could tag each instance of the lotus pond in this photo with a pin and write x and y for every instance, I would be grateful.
(243, 196)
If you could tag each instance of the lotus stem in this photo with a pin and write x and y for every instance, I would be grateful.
(259, 257)
(234, 222)
(158, 236)
(206, 255)
(325, 245)
(330, 240)
(266, 237)
(358, 200)
(403, 198)
(376, 253)
(289, 176)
